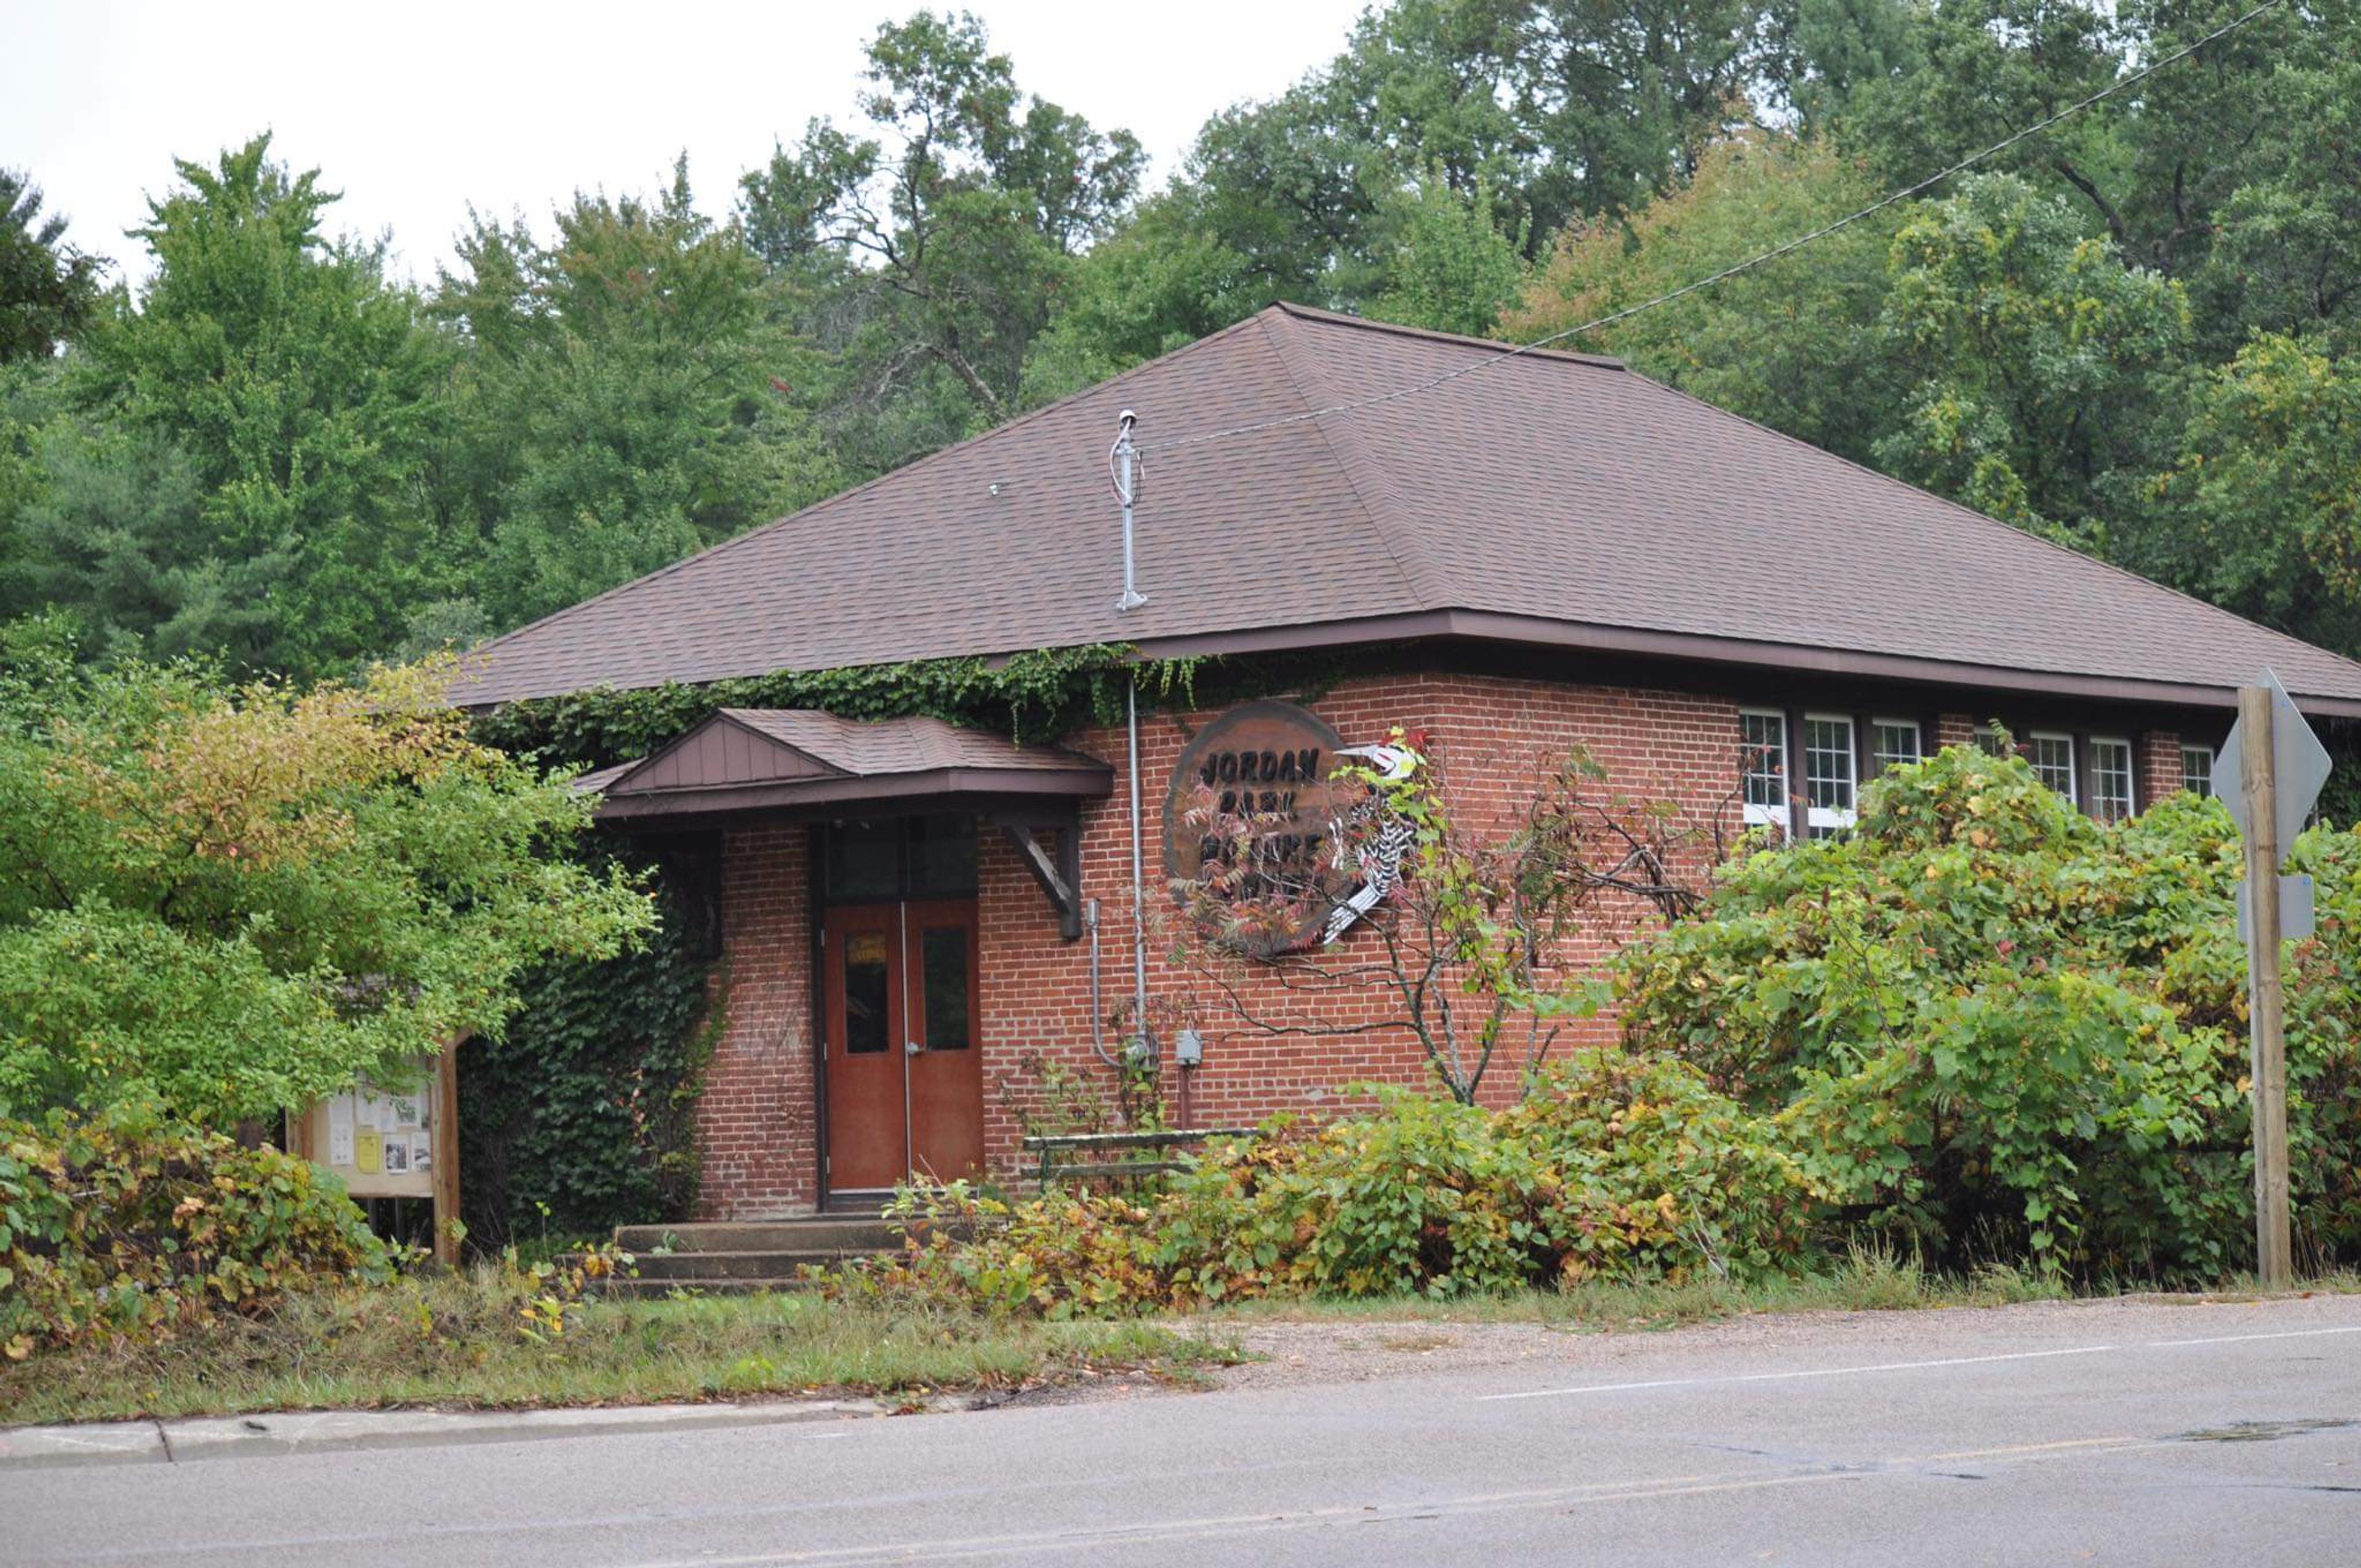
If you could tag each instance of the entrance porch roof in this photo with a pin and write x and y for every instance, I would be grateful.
(796, 760)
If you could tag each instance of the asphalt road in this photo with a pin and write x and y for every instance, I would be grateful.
(2107, 1433)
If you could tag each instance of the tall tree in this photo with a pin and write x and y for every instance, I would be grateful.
(1792, 344)
(627, 390)
(941, 236)
(2037, 360)
(2262, 511)
(298, 386)
(49, 289)
(1449, 265)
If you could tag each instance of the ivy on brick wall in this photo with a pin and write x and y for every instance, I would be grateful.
(586, 1104)
(1033, 697)
(1036, 697)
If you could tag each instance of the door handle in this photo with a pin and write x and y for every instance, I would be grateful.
(911, 1048)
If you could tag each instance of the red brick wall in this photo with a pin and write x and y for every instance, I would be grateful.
(2158, 765)
(755, 1118)
(1492, 738)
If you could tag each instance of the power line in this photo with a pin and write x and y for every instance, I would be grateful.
(1773, 253)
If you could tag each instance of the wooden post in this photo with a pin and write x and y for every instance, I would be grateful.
(2274, 1245)
(446, 1164)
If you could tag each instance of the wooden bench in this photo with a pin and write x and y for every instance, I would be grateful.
(1067, 1155)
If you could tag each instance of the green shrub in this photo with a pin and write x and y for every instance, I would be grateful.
(1609, 1169)
(2001, 1027)
(119, 1224)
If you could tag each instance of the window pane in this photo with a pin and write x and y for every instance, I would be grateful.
(942, 857)
(1764, 756)
(864, 859)
(943, 958)
(1893, 741)
(2053, 762)
(1829, 763)
(2197, 770)
(865, 980)
(2110, 779)
(1988, 740)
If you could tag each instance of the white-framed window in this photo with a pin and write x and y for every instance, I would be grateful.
(1763, 734)
(1828, 773)
(2110, 778)
(1989, 741)
(2052, 756)
(1893, 742)
(2196, 769)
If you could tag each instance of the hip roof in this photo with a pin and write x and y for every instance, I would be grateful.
(1552, 497)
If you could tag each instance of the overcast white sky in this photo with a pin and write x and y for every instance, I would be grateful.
(416, 110)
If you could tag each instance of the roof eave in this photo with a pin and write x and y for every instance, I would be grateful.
(876, 789)
(1491, 626)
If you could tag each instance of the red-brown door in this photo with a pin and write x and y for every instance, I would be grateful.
(905, 1074)
(946, 1071)
(868, 1127)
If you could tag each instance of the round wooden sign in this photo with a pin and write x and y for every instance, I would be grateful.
(1268, 761)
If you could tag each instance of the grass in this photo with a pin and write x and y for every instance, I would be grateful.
(463, 1340)
(1865, 1281)
(459, 1342)
(1868, 1280)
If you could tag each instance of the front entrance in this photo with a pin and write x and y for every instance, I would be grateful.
(905, 1075)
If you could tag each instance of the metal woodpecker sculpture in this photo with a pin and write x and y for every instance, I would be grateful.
(1376, 835)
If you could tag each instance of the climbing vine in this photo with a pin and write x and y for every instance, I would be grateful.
(1032, 697)
(581, 1115)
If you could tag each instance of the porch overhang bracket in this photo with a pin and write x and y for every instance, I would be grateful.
(1059, 874)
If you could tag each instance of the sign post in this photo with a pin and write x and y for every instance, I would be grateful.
(2257, 784)
(2280, 765)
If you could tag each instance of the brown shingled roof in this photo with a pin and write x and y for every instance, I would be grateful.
(1552, 498)
(785, 758)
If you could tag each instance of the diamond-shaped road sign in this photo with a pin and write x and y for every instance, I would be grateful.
(2299, 766)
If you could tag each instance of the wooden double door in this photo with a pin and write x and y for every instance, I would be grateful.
(905, 1075)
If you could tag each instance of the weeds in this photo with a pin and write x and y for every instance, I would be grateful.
(455, 1341)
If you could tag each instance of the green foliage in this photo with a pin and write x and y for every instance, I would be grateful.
(298, 387)
(2262, 512)
(578, 1117)
(1611, 1168)
(1449, 265)
(2034, 354)
(1158, 283)
(940, 240)
(49, 289)
(1783, 344)
(1035, 694)
(237, 899)
(624, 398)
(122, 1225)
(2005, 1029)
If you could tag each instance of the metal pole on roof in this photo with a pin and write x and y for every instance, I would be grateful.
(1122, 456)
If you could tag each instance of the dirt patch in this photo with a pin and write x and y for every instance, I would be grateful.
(1285, 1352)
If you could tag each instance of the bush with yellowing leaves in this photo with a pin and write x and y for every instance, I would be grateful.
(236, 898)
(122, 1224)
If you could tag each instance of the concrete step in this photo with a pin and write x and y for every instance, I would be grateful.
(783, 1265)
(821, 1232)
(645, 1289)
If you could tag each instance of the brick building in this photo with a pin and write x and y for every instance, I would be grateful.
(928, 930)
